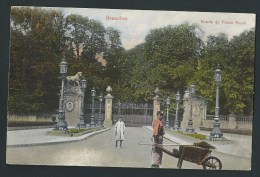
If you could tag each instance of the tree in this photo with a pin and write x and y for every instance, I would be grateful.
(117, 66)
(239, 81)
(169, 60)
(216, 52)
(236, 59)
(172, 57)
(95, 41)
(141, 90)
(37, 43)
(77, 27)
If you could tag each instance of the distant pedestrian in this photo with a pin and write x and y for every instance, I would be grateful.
(119, 131)
(158, 132)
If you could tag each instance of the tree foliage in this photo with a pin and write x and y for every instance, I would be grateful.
(37, 42)
(167, 59)
(236, 60)
(171, 57)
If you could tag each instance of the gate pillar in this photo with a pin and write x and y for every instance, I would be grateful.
(199, 111)
(156, 103)
(108, 108)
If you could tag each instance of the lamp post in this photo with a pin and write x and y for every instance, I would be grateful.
(156, 102)
(216, 133)
(176, 123)
(82, 123)
(100, 122)
(119, 110)
(167, 116)
(93, 94)
(190, 128)
(62, 124)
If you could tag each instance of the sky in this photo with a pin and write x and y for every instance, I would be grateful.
(134, 25)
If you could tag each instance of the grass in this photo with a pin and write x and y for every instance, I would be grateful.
(73, 131)
(193, 135)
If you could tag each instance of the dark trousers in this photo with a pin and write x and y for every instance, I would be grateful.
(120, 142)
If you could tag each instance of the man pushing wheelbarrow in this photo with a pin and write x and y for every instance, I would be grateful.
(158, 132)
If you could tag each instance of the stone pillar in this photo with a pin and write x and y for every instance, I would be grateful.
(199, 110)
(72, 103)
(232, 123)
(108, 108)
(156, 103)
(204, 114)
(186, 107)
(83, 85)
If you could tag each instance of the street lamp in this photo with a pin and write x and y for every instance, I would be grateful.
(82, 123)
(176, 124)
(100, 122)
(119, 110)
(190, 129)
(62, 124)
(93, 94)
(167, 117)
(216, 133)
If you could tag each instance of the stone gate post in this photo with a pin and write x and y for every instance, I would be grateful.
(108, 108)
(232, 123)
(199, 110)
(156, 103)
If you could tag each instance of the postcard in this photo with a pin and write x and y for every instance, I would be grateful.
(130, 88)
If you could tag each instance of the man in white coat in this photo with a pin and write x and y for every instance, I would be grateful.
(120, 131)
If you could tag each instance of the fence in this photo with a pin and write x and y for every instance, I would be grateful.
(96, 109)
(221, 117)
(230, 122)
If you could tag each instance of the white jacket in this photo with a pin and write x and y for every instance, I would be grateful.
(120, 130)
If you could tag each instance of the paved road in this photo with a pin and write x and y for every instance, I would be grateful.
(100, 150)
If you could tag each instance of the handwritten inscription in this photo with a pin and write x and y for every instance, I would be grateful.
(116, 18)
(223, 22)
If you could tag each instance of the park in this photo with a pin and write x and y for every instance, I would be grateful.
(72, 78)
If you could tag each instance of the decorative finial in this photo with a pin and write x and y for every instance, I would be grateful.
(109, 89)
(157, 91)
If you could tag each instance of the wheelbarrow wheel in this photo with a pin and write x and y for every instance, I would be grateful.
(212, 163)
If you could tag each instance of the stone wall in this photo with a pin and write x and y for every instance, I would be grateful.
(229, 122)
(30, 117)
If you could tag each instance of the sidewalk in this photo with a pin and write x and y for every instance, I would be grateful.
(238, 145)
(32, 137)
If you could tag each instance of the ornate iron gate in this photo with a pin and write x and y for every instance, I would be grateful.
(96, 109)
(133, 114)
